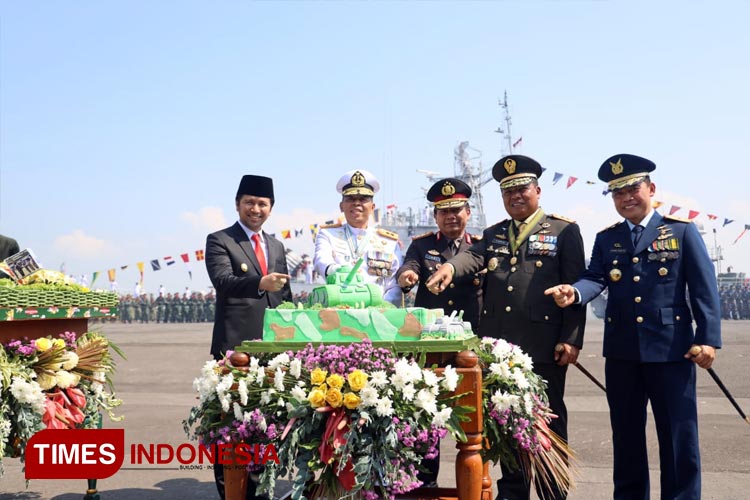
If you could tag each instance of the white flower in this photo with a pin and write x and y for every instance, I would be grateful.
(503, 400)
(237, 411)
(71, 360)
(408, 392)
(265, 396)
(225, 401)
(523, 360)
(501, 349)
(442, 417)
(487, 341)
(365, 416)
(384, 407)
(520, 379)
(369, 396)
(280, 360)
(242, 390)
(407, 371)
(426, 399)
(278, 380)
(378, 378)
(46, 381)
(430, 378)
(66, 379)
(450, 378)
(398, 381)
(260, 376)
(280, 402)
(295, 368)
(28, 393)
(528, 404)
(298, 394)
(500, 369)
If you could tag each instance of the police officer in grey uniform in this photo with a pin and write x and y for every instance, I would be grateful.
(524, 255)
(343, 244)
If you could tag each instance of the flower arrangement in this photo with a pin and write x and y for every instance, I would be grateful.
(349, 421)
(516, 417)
(53, 383)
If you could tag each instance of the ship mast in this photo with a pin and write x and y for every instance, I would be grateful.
(506, 133)
(465, 170)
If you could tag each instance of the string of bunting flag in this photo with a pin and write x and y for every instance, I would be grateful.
(286, 234)
(167, 261)
(673, 209)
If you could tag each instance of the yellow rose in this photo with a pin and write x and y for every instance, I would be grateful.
(58, 343)
(322, 387)
(335, 381)
(351, 400)
(334, 398)
(316, 398)
(43, 344)
(357, 380)
(318, 376)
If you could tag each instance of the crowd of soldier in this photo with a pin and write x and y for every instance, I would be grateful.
(174, 308)
(735, 301)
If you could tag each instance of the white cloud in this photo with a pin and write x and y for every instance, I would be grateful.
(80, 245)
(206, 219)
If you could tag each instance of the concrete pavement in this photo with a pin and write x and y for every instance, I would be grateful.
(155, 383)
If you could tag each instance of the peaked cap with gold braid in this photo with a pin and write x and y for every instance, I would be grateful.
(516, 170)
(620, 171)
(448, 193)
(358, 182)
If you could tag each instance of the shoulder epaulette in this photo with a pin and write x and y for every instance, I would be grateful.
(678, 219)
(564, 219)
(423, 235)
(330, 226)
(388, 234)
(611, 227)
(476, 237)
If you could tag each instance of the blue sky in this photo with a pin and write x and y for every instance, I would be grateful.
(126, 126)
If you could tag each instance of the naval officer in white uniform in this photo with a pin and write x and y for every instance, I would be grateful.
(344, 244)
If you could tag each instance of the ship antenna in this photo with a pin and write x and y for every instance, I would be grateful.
(507, 137)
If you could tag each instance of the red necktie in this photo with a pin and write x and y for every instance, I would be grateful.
(259, 254)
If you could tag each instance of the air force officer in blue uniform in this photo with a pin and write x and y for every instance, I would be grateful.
(649, 262)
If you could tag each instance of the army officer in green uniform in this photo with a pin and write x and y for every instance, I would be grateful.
(524, 255)
(427, 252)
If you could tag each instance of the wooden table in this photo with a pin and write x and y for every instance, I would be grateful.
(473, 481)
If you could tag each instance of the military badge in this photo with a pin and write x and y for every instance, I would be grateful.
(243, 267)
(358, 180)
(492, 264)
(510, 166)
(448, 189)
(433, 252)
(545, 225)
(663, 271)
(539, 263)
(617, 167)
(615, 275)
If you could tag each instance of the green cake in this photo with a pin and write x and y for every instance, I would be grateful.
(346, 309)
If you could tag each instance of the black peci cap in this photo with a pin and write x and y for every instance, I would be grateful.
(256, 185)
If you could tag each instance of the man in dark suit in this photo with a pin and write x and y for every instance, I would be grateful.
(248, 270)
(524, 255)
(649, 262)
(8, 247)
(427, 252)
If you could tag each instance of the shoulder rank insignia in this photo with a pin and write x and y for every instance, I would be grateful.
(564, 219)
(611, 227)
(476, 237)
(330, 226)
(423, 235)
(678, 219)
(387, 234)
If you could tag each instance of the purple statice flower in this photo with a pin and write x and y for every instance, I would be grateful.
(69, 338)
